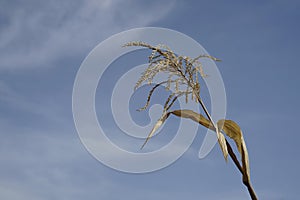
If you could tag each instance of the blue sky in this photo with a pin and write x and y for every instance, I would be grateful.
(42, 45)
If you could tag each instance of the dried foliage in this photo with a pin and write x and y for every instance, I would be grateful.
(232, 130)
(183, 75)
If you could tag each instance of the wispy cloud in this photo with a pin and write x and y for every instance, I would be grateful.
(37, 35)
(39, 165)
(12, 98)
(40, 156)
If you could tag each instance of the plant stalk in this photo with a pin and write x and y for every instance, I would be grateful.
(230, 152)
(214, 127)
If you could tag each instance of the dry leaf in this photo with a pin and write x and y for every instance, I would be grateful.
(232, 130)
(205, 122)
(222, 143)
(156, 127)
(193, 116)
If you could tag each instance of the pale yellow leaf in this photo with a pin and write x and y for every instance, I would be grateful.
(156, 127)
(193, 116)
(222, 143)
(232, 130)
(205, 122)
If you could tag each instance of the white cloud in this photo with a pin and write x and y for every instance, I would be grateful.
(39, 35)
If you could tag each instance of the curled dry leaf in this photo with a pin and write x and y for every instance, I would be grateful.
(232, 130)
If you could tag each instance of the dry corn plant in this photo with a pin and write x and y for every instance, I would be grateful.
(183, 75)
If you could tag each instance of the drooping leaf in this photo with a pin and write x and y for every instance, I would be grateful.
(158, 124)
(193, 116)
(232, 130)
(222, 143)
(205, 122)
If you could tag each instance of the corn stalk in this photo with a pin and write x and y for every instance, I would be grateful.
(183, 73)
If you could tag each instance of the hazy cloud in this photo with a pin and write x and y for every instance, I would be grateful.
(37, 34)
